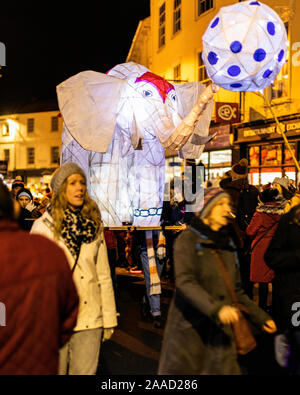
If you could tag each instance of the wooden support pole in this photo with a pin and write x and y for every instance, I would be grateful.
(131, 228)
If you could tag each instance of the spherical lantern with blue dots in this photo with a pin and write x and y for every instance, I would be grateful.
(245, 46)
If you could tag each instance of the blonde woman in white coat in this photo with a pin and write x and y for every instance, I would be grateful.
(73, 221)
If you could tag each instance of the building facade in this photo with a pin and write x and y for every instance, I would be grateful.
(30, 145)
(176, 30)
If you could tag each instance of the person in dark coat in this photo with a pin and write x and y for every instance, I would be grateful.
(239, 182)
(261, 229)
(244, 198)
(198, 338)
(283, 256)
(174, 213)
(26, 217)
(39, 295)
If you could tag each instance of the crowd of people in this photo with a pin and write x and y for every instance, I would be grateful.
(60, 265)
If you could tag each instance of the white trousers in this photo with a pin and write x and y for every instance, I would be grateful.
(80, 355)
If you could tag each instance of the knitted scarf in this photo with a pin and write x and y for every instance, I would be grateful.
(276, 207)
(155, 287)
(161, 251)
(221, 239)
(76, 230)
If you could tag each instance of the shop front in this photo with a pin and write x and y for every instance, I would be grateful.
(217, 157)
(264, 147)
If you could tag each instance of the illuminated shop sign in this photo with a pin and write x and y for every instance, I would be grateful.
(227, 112)
(259, 132)
(272, 131)
(293, 126)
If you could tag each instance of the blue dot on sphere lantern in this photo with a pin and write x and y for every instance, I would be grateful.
(259, 55)
(281, 55)
(237, 85)
(255, 3)
(234, 71)
(215, 23)
(271, 28)
(236, 47)
(267, 73)
(212, 58)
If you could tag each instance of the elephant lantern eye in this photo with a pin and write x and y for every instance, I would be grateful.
(147, 93)
(173, 97)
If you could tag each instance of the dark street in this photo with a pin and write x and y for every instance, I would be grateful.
(135, 345)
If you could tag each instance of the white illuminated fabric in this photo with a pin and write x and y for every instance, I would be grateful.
(245, 46)
(190, 93)
(123, 156)
(99, 94)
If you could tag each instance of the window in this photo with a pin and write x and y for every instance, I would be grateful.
(177, 73)
(204, 5)
(267, 161)
(6, 155)
(54, 124)
(254, 156)
(216, 164)
(30, 156)
(288, 159)
(202, 75)
(177, 16)
(280, 87)
(162, 26)
(55, 155)
(271, 155)
(30, 125)
(5, 129)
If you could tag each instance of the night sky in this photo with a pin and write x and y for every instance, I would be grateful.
(49, 41)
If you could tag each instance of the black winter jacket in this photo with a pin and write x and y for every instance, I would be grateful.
(283, 256)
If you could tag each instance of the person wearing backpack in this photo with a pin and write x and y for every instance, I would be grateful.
(244, 198)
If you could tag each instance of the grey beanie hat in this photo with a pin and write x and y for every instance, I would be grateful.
(210, 199)
(283, 181)
(62, 173)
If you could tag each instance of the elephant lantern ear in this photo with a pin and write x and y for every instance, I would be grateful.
(188, 95)
(88, 102)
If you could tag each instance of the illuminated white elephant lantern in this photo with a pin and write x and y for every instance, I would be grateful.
(117, 127)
